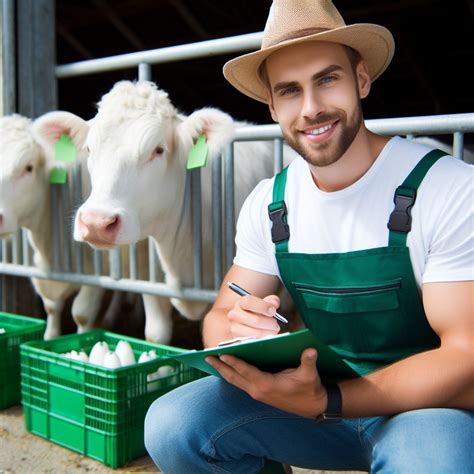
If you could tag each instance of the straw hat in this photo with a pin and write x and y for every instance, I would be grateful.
(297, 21)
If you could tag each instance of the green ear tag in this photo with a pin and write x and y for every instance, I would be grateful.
(58, 176)
(197, 157)
(64, 149)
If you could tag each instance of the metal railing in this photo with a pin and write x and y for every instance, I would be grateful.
(68, 264)
(15, 258)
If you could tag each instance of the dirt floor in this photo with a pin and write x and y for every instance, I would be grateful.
(24, 453)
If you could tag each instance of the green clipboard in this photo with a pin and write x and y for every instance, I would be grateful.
(275, 354)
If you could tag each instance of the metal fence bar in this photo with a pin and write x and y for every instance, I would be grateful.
(458, 145)
(124, 284)
(144, 72)
(67, 237)
(115, 264)
(16, 248)
(217, 219)
(181, 52)
(77, 199)
(424, 125)
(25, 247)
(197, 225)
(132, 261)
(97, 261)
(55, 236)
(152, 260)
(278, 155)
(229, 205)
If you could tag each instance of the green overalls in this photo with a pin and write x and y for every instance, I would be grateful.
(364, 304)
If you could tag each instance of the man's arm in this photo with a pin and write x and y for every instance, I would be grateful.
(235, 316)
(441, 377)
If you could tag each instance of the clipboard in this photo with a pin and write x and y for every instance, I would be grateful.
(273, 354)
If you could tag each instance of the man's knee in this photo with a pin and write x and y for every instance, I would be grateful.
(431, 440)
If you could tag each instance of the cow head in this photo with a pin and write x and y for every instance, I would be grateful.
(23, 179)
(138, 146)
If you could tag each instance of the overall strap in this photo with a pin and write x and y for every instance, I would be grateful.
(278, 213)
(404, 199)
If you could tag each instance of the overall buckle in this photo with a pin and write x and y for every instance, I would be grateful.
(280, 230)
(400, 218)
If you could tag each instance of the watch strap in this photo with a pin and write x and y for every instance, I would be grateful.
(333, 412)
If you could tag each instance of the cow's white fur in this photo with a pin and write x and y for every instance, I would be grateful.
(25, 202)
(149, 191)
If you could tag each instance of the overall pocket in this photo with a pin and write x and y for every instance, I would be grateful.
(363, 321)
(380, 297)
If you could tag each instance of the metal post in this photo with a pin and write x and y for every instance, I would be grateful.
(458, 145)
(229, 205)
(144, 72)
(9, 57)
(77, 199)
(217, 219)
(197, 225)
(55, 235)
(36, 57)
(278, 154)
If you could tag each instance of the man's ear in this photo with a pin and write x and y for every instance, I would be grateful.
(363, 79)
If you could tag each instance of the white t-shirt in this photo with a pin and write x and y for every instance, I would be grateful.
(441, 240)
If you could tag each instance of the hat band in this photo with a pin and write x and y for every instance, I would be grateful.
(294, 35)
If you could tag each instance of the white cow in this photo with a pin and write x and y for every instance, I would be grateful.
(138, 145)
(25, 202)
(46, 130)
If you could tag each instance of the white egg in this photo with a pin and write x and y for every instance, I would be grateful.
(111, 360)
(125, 353)
(98, 352)
(147, 356)
(73, 355)
(82, 356)
(165, 370)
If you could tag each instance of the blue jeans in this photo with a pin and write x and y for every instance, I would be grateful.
(211, 426)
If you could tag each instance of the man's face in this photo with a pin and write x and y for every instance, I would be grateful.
(315, 96)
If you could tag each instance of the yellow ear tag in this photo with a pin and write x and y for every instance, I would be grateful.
(197, 157)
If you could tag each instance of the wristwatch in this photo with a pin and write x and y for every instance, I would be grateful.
(333, 412)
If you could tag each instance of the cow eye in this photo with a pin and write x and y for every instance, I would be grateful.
(158, 150)
(29, 168)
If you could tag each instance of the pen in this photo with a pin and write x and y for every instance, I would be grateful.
(240, 291)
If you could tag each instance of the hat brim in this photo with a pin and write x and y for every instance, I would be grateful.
(374, 43)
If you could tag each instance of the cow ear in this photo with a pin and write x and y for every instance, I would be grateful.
(48, 128)
(218, 127)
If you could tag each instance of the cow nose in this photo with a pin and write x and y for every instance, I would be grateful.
(99, 228)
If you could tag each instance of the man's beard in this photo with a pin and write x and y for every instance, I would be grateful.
(329, 151)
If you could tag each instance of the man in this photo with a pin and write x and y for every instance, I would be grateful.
(388, 287)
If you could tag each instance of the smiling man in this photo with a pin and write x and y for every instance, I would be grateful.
(372, 236)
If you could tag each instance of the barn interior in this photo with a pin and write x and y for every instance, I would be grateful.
(428, 75)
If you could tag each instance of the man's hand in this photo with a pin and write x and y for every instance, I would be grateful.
(296, 390)
(253, 316)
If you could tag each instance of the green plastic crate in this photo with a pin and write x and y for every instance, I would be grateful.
(95, 411)
(18, 329)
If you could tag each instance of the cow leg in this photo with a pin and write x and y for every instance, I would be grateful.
(158, 323)
(86, 306)
(53, 294)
